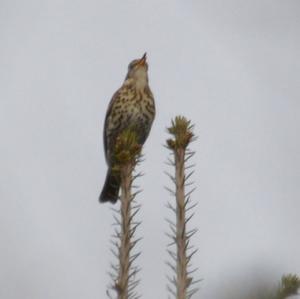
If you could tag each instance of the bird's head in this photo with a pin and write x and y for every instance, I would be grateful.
(137, 71)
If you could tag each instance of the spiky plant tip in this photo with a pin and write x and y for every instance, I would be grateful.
(289, 286)
(182, 130)
(127, 149)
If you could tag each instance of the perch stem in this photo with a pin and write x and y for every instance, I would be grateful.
(181, 237)
(124, 252)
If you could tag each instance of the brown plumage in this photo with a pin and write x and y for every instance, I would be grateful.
(131, 106)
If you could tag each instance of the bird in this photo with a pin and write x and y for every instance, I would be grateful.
(132, 105)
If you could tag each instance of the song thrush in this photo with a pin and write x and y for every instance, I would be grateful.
(132, 106)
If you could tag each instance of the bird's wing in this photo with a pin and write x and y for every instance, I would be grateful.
(108, 112)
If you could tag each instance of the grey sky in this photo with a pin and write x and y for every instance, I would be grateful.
(232, 67)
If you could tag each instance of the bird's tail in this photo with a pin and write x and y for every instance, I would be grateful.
(110, 191)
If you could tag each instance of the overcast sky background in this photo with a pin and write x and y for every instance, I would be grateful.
(232, 67)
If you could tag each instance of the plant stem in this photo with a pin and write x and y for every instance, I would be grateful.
(181, 238)
(124, 251)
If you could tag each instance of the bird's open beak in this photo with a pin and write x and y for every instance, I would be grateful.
(142, 61)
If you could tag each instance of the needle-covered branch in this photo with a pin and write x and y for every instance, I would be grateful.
(288, 286)
(181, 131)
(126, 156)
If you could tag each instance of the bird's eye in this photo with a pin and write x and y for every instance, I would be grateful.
(133, 64)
